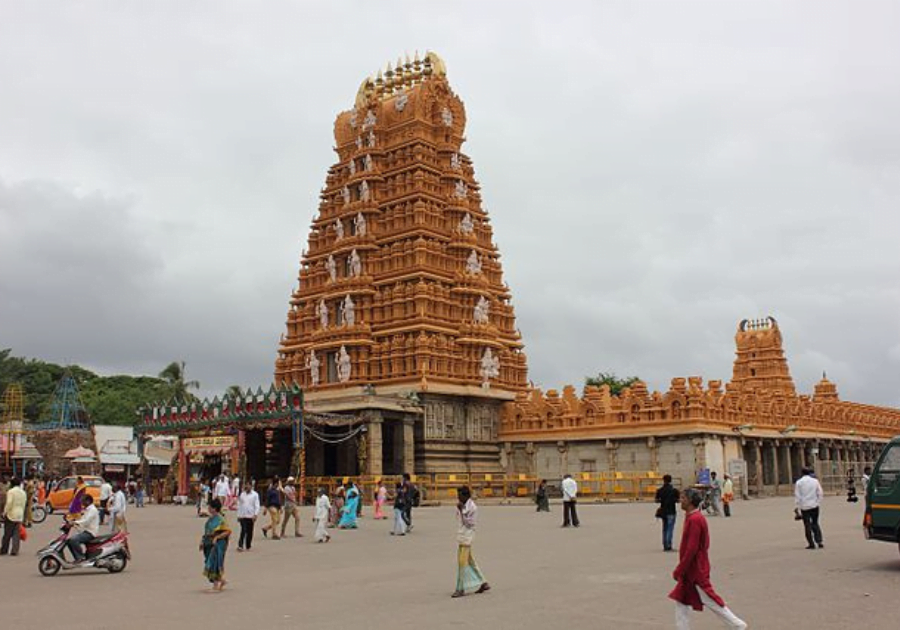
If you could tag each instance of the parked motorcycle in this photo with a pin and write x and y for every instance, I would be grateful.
(38, 513)
(109, 551)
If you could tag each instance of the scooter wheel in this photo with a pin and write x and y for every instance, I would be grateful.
(117, 563)
(38, 514)
(49, 566)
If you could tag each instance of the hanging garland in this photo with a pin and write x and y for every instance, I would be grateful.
(332, 439)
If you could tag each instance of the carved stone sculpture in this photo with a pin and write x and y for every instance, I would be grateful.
(331, 267)
(355, 265)
(343, 365)
(349, 311)
(322, 311)
(339, 229)
(473, 264)
(312, 364)
(482, 311)
(490, 368)
(466, 225)
(360, 223)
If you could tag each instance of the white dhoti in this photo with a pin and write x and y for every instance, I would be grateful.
(321, 529)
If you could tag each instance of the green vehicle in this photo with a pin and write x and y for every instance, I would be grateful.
(882, 519)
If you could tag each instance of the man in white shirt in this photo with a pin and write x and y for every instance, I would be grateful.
(220, 491)
(105, 493)
(118, 503)
(570, 497)
(247, 511)
(86, 528)
(807, 497)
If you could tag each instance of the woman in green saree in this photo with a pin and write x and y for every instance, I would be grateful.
(213, 545)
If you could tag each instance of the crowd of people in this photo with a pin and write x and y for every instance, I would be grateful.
(342, 507)
(281, 501)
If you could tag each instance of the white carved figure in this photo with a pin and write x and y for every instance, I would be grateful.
(349, 311)
(331, 267)
(473, 264)
(360, 223)
(370, 120)
(454, 161)
(322, 310)
(364, 191)
(371, 138)
(312, 363)
(339, 229)
(367, 162)
(461, 190)
(400, 103)
(447, 117)
(353, 115)
(352, 165)
(355, 264)
(467, 225)
(345, 193)
(358, 143)
(343, 365)
(490, 368)
(482, 311)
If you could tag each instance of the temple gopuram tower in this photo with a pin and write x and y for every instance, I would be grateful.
(401, 321)
(759, 362)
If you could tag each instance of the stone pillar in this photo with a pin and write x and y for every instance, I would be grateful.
(612, 455)
(183, 471)
(757, 464)
(654, 454)
(373, 428)
(789, 465)
(409, 445)
(775, 475)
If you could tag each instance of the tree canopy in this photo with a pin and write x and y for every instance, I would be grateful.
(108, 399)
(616, 384)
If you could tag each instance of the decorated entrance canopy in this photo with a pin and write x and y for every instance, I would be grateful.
(277, 407)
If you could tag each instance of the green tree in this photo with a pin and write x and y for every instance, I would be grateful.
(234, 391)
(616, 385)
(179, 388)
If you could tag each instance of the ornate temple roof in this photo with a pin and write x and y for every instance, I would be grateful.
(401, 284)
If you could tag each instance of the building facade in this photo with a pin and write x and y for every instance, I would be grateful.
(757, 426)
(401, 322)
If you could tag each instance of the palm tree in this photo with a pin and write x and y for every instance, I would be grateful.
(173, 375)
(234, 391)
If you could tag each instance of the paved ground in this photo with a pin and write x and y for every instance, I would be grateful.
(610, 573)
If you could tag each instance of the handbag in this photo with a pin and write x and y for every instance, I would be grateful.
(23, 533)
(659, 512)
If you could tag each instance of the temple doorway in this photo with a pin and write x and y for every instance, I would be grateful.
(269, 453)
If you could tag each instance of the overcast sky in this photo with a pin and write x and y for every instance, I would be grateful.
(655, 172)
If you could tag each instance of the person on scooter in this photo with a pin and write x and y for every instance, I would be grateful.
(86, 528)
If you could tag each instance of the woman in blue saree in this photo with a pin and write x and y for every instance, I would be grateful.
(348, 512)
(214, 544)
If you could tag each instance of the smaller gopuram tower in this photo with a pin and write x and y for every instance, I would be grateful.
(760, 362)
(401, 315)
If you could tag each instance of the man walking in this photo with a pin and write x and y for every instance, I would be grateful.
(273, 504)
(117, 504)
(106, 491)
(247, 510)
(727, 495)
(807, 497)
(570, 498)
(13, 515)
(412, 500)
(291, 508)
(667, 496)
(715, 487)
(693, 588)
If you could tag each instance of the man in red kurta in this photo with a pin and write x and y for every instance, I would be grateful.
(694, 590)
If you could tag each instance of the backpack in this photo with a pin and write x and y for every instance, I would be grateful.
(415, 496)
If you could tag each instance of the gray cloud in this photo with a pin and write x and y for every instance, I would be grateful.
(654, 174)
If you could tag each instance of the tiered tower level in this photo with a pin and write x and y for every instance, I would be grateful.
(402, 283)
